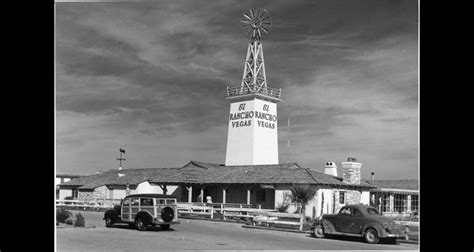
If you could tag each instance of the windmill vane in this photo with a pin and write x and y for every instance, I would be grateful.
(257, 22)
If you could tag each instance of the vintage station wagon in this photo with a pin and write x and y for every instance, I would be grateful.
(358, 220)
(142, 210)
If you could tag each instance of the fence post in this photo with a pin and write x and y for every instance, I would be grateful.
(301, 222)
(212, 212)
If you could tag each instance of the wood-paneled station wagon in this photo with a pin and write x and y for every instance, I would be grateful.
(142, 210)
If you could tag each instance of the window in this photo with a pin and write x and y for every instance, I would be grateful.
(160, 201)
(346, 210)
(400, 203)
(126, 202)
(342, 197)
(385, 203)
(170, 201)
(414, 202)
(372, 211)
(134, 201)
(146, 202)
(260, 195)
(356, 213)
(75, 193)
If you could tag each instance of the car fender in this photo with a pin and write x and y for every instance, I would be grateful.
(113, 214)
(144, 214)
(376, 226)
(328, 227)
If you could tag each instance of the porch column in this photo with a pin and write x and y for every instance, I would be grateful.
(409, 203)
(163, 188)
(248, 196)
(391, 203)
(224, 191)
(202, 194)
(190, 194)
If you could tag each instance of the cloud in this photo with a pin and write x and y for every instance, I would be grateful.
(152, 77)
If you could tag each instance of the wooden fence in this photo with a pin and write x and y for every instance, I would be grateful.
(256, 215)
(95, 204)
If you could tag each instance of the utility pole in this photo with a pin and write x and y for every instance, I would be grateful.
(120, 159)
(288, 143)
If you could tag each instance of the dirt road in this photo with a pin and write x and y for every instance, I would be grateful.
(198, 235)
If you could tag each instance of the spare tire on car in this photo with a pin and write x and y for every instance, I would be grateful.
(167, 214)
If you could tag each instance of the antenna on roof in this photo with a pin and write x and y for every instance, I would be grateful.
(120, 159)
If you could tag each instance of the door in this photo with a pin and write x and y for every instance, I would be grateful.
(356, 223)
(125, 210)
(343, 219)
(134, 208)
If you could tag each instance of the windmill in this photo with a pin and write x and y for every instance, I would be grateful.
(257, 22)
(253, 96)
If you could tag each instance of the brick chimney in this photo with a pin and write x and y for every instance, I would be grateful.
(330, 168)
(351, 171)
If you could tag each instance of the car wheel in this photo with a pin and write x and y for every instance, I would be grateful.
(318, 231)
(165, 227)
(109, 222)
(370, 236)
(140, 224)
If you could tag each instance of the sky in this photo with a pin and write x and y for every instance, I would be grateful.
(151, 77)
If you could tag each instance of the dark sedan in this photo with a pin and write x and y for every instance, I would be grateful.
(360, 221)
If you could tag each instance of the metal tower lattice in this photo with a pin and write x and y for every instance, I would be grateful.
(254, 79)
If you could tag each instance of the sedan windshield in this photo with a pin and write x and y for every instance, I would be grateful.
(372, 211)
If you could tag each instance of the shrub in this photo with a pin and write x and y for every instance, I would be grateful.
(282, 207)
(69, 222)
(302, 195)
(62, 215)
(80, 221)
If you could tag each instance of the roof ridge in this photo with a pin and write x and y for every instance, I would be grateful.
(324, 173)
(307, 170)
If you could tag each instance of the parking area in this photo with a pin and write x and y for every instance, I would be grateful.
(198, 235)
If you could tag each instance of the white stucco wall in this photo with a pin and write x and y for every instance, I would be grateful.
(280, 198)
(63, 193)
(326, 206)
(365, 198)
(146, 187)
(118, 194)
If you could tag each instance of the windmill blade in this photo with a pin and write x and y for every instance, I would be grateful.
(264, 29)
(254, 33)
(244, 25)
(267, 23)
(259, 33)
(243, 20)
(266, 15)
(247, 15)
(252, 13)
(258, 12)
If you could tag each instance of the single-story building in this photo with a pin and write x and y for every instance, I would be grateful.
(63, 177)
(395, 197)
(264, 185)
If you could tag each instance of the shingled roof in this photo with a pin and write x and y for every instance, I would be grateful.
(409, 184)
(117, 177)
(210, 173)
